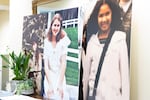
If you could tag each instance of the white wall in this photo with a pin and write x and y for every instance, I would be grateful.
(12, 37)
(18, 9)
(140, 51)
(4, 30)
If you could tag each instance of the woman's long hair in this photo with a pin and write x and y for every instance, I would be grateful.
(58, 37)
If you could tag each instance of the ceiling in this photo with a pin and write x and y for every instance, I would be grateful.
(4, 2)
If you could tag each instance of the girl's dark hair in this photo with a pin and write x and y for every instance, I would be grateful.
(116, 12)
(92, 24)
(58, 37)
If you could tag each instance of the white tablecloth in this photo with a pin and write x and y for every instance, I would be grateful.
(18, 97)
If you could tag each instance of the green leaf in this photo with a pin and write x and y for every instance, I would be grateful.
(5, 59)
(19, 64)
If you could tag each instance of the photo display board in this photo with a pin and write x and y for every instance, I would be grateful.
(53, 40)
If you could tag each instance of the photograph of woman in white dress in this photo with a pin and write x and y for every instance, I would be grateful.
(55, 52)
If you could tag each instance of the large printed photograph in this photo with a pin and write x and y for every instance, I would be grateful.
(61, 55)
(106, 50)
(33, 42)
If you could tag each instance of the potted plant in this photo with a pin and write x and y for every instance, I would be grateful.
(19, 64)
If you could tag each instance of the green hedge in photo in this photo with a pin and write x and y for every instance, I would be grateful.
(73, 35)
(72, 54)
(72, 73)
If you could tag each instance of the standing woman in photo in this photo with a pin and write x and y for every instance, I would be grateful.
(113, 66)
(55, 53)
(37, 65)
(126, 13)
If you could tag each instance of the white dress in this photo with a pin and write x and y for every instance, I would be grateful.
(54, 55)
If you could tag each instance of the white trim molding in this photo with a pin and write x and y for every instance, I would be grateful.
(4, 7)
